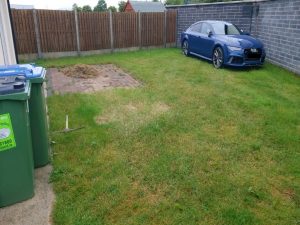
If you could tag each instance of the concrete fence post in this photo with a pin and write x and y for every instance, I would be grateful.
(77, 31)
(111, 32)
(37, 34)
(140, 29)
(176, 28)
(165, 28)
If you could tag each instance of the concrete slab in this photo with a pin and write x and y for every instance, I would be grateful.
(35, 211)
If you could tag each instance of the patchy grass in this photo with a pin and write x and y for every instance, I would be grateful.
(132, 116)
(193, 145)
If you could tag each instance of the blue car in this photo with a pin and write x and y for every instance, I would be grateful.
(222, 43)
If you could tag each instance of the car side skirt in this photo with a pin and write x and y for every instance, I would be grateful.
(201, 56)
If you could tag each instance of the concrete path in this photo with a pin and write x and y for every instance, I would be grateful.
(35, 211)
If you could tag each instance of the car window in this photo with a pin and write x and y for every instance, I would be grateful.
(231, 30)
(219, 28)
(196, 27)
(205, 28)
(222, 28)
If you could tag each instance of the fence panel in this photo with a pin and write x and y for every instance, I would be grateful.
(24, 30)
(93, 30)
(171, 26)
(125, 30)
(152, 29)
(57, 30)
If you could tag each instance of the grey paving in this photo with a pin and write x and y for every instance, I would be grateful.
(35, 211)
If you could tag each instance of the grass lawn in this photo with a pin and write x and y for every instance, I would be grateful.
(193, 145)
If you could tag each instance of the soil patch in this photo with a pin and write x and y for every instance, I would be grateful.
(88, 78)
(80, 71)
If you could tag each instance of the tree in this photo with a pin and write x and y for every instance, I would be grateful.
(174, 2)
(112, 9)
(76, 7)
(101, 6)
(154, 0)
(86, 8)
(121, 6)
(208, 1)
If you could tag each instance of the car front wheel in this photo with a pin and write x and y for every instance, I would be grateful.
(218, 57)
(185, 48)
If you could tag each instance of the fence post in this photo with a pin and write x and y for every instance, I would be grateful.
(111, 31)
(37, 34)
(140, 29)
(77, 32)
(165, 28)
(176, 28)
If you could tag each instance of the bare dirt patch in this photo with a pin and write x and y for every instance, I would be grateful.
(80, 71)
(286, 194)
(88, 78)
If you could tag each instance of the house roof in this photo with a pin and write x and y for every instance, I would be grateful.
(17, 6)
(144, 6)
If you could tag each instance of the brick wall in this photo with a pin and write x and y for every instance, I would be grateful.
(275, 22)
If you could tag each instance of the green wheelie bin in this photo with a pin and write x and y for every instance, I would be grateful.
(38, 118)
(37, 110)
(16, 162)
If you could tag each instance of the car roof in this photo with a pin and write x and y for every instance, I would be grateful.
(213, 21)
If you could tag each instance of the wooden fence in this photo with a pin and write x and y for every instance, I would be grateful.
(51, 31)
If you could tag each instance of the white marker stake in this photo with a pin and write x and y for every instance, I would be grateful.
(67, 127)
(67, 122)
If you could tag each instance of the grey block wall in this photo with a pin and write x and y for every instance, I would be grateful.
(239, 14)
(275, 22)
(278, 26)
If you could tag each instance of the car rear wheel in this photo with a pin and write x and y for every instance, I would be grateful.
(218, 57)
(185, 48)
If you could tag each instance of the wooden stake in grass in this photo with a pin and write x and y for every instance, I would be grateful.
(67, 129)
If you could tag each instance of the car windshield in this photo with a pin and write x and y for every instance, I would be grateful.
(222, 28)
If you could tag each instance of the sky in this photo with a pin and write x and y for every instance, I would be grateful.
(61, 4)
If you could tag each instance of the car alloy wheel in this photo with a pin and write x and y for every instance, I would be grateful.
(218, 58)
(185, 48)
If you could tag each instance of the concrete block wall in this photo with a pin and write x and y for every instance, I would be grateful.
(236, 13)
(275, 22)
(278, 26)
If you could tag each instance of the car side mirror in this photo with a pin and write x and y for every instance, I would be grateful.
(210, 33)
(244, 33)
